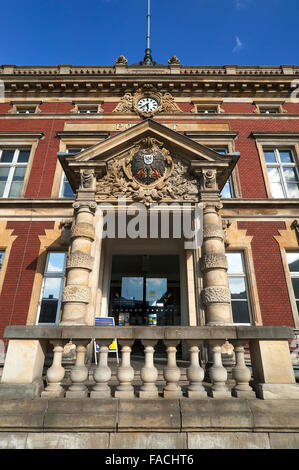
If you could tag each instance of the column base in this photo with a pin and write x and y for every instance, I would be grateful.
(277, 391)
(197, 394)
(143, 394)
(103, 394)
(243, 394)
(219, 393)
(172, 393)
(124, 394)
(76, 394)
(58, 393)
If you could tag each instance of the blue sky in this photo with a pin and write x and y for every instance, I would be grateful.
(199, 32)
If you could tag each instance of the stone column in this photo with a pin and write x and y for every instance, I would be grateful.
(55, 373)
(149, 373)
(102, 374)
(216, 292)
(76, 294)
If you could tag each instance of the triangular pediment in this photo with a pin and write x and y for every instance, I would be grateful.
(183, 150)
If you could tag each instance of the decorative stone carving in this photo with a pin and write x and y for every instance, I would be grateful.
(174, 60)
(83, 230)
(121, 60)
(214, 260)
(169, 105)
(209, 180)
(129, 102)
(216, 294)
(212, 231)
(87, 206)
(177, 183)
(78, 259)
(87, 178)
(295, 226)
(73, 293)
(125, 105)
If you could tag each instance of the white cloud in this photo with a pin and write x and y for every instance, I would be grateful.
(241, 4)
(239, 45)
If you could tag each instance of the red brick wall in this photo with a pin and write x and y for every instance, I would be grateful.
(18, 282)
(269, 272)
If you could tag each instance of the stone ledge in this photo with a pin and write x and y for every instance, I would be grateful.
(145, 416)
(149, 332)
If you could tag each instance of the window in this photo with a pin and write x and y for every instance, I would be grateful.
(207, 109)
(50, 301)
(238, 287)
(65, 187)
(293, 262)
(228, 189)
(282, 172)
(268, 110)
(25, 109)
(13, 164)
(1, 258)
(87, 109)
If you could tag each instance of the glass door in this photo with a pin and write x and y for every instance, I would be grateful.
(145, 290)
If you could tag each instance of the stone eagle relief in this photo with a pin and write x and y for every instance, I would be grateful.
(148, 174)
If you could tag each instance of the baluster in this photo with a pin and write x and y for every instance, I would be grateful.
(102, 373)
(79, 373)
(241, 374)
(195, 372)
(55, 373)
(125, 373)
(149, 373)
(171, 372)
(217, 372)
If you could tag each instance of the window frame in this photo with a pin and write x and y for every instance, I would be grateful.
(13, 165)
(265, 145)
(230, 180)
(244, 276)
(21, 140)
(52, 275)
(289, 276)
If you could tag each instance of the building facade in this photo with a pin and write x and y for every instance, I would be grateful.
(63, 110)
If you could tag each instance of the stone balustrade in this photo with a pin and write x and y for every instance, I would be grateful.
(272, 373)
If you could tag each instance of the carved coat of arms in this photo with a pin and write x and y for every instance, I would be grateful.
(149, 163)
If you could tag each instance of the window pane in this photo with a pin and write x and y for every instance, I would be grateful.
(55, 262)
(3, 178)
(240, 312)
(23, 156)
(7, 156)
(17, 182)
(290, 174)
(274, 175)
(295, 282)
(293, 190)
(226, 191)
(293, 261)
(277, 191)
(50, 300)
(237, 288)
(132, 288)
(67, 190)
(1, 258)
(286, 156)
(270, 156)
(235, 264)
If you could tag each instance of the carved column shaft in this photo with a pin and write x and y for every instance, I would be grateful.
(76, 294)
(216, 292)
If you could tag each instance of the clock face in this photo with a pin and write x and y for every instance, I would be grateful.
(147, 104)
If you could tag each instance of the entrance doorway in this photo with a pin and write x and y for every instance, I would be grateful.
(145, 290)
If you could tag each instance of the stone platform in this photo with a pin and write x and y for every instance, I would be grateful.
(149, 424)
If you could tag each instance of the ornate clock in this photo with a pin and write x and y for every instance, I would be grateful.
(147, 104)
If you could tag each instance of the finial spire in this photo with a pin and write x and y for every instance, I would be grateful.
(148, 56)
